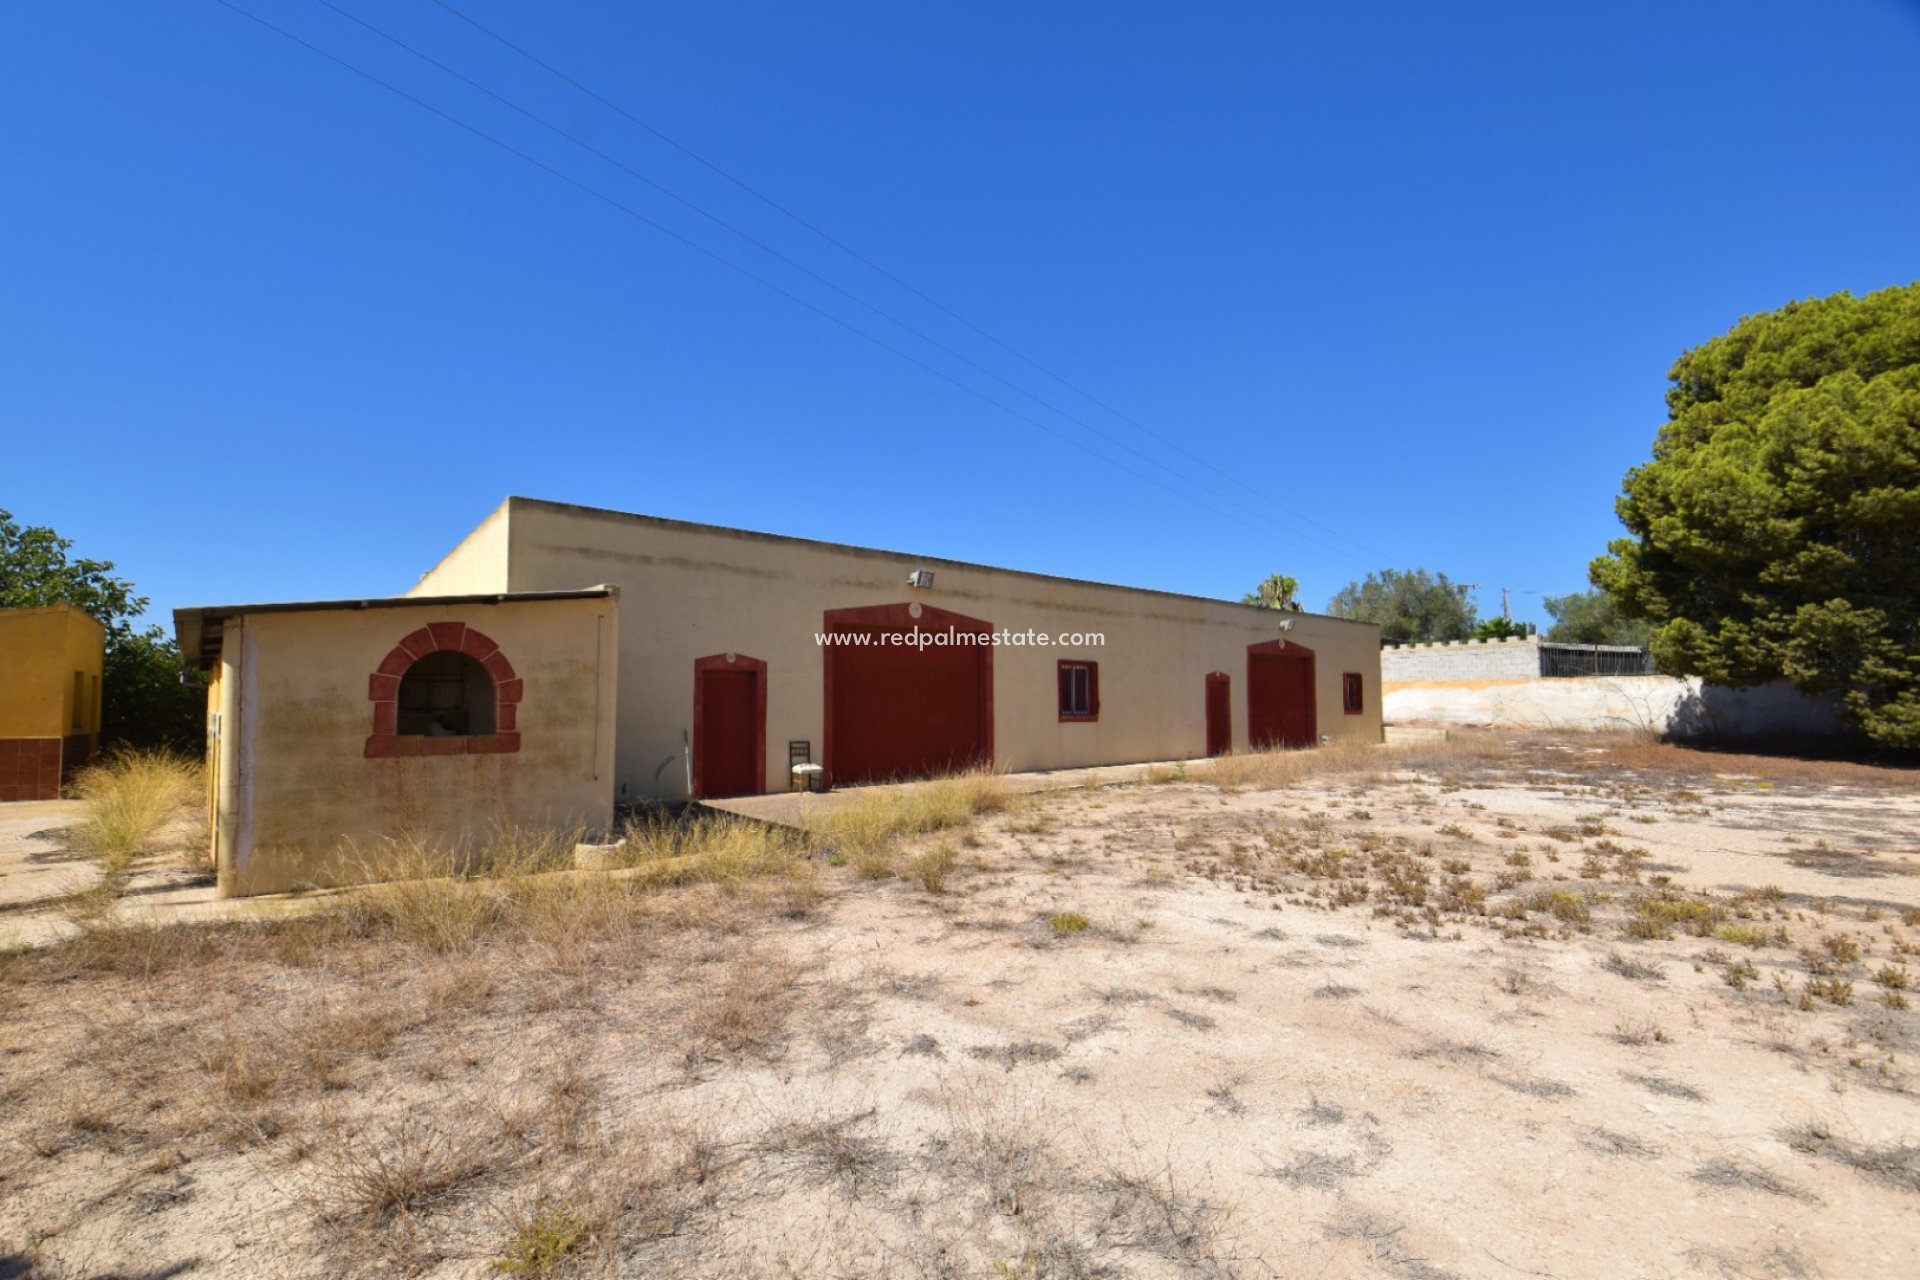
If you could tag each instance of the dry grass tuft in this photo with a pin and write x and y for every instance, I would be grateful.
(513, 883)
(130, 797)
(403, 1168)
(1636, 970)
(1747, 1176)
(866, 827)
(930, 867)
(109, 948)
(707, 847)
(1896, 1164)
(519, 882)
(1639, 1032)
(1160, 775)
(830, 1148)
(1269, 770)
(746, 1013)
(1364, 762)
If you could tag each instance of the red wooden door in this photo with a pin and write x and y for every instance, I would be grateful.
(1219, 714)
(729, 732)
(1280, 711)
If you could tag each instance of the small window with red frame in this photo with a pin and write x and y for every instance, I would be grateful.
(1351, 696)
(1079, 691)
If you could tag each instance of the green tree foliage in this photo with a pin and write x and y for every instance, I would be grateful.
(1774, 533)
(1276, 591)
(35, 569)
(1501, 629)
(1412, 606)
(149, 697)
(1591, 617)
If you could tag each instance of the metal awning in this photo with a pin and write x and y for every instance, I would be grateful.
(200, 630)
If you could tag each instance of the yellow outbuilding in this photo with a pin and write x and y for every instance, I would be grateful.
(50, 662)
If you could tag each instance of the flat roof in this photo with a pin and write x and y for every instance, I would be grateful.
(200, 629)
(932, 561)
(52, 606)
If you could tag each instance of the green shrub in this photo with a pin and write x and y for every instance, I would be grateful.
(1744, 935)
(1561, 904)
(542, 1240)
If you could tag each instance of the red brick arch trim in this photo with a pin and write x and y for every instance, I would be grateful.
(383, 690)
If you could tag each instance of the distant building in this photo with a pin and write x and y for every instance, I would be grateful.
(50, 662)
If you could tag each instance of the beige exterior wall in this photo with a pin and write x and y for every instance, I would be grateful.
(693, 590)
(477, 565)
(42, 650)
(296, 800)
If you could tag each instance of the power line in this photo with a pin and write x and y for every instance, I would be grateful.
(748, 273)
(870, 264)
(717, 220)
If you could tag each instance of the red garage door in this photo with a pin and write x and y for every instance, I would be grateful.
(1280, 710)
(901, 710)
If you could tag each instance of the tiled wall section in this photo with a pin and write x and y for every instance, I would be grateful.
(76, 753)
(29, 769)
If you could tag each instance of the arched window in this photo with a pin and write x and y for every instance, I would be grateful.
(445, 689)
(446, 695)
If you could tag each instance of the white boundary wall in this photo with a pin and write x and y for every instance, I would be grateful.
(1683, 706)
(1515, 658)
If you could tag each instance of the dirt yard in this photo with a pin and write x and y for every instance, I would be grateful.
(1508, 1007)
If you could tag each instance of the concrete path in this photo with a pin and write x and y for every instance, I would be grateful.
(39, 876)
(797, 808)
(34, 862)
(36, 869)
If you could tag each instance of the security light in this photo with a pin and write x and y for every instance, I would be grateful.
(1286, 624)
(922, 578)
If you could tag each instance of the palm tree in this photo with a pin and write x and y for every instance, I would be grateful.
(1276, 591)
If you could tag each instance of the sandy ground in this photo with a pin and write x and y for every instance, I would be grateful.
(1272, 1050)
(35, 866)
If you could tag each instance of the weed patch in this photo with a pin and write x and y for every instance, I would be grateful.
(130, 797)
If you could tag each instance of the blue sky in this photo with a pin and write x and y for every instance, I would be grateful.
(1391, 285)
